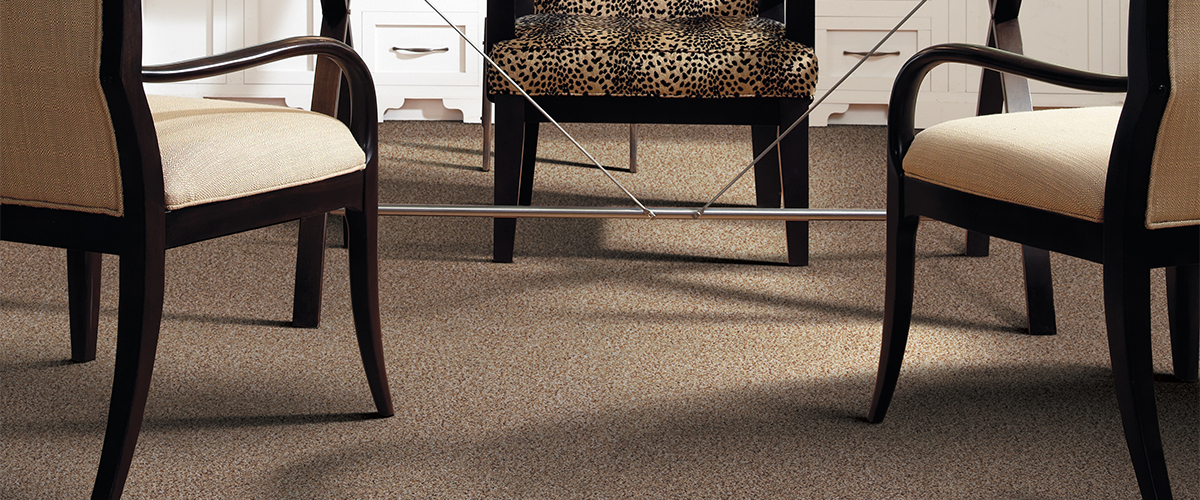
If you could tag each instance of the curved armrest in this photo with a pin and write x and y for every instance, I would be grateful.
(361, 85)
(902, 107)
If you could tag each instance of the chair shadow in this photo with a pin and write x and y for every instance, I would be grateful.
(1053, 427)
(240, 422)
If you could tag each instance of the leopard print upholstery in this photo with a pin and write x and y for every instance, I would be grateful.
(705, 56)
(658, 9)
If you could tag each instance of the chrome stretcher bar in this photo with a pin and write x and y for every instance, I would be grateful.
(712, 213)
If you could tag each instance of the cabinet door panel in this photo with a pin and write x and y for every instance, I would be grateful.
(175, 30)
(268, 20)
(1083, 34)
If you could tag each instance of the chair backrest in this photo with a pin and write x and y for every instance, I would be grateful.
(648, 8)
(62, 81)
(1154, 172)
(799, 16)
(1174, 190)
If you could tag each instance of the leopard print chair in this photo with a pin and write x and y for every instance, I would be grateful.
(739, 62)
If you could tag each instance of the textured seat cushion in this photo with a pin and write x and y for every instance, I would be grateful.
(219, 150)
(707, 56)
(648, 8)
(1055, 160)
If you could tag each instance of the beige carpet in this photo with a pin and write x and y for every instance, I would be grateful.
(613, 359)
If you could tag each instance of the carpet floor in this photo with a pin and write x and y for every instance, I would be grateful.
(612, 359)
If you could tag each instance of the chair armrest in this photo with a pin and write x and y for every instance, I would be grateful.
(903, 103)
(361, 86)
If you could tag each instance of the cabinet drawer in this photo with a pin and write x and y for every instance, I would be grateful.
(419, 48)
(843, 42)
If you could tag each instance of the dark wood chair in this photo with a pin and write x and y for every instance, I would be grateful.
(739, 62)
(1119, 186)
(94, 165)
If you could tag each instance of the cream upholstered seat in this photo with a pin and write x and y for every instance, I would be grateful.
(1055, 160)
(215, 150)
(1115, 186)
(93, 165)
(211, 151)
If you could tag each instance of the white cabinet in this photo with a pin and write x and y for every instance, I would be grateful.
(182, 29)
(846, 32)
(1085, 34)
(422, 69)
(178, 30)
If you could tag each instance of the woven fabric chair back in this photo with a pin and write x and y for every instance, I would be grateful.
(59, 148)
(1174, 196)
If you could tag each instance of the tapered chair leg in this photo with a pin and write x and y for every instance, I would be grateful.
(528, 162)
(1127, 313)
(1039, 291)
(364, 298)
(793, 166)
(139, 315)
(898, 300)
(83, 302)
(977, 244)
(1039, 284)
(769, 182)
(781, 177)
(510, 141)
(1183, 308)
(310, 267)
(768, 185)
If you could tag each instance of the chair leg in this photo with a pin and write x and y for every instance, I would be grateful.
(139, 314)
(898, 300)
(345, 232)
(487, 133)
(509, 143)
(977, 244)
(364, 298)
(1039, 284)
(781, 177)
(310, 267)
(1127, 313)
(83, 302)
(768, 187)
(1039, 291)
(528, 161)
(793, 165)
(1183, 308)
(633, 147)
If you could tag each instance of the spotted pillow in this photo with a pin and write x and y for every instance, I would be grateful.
(709, 56)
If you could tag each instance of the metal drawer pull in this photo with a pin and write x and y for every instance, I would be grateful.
(421, 50)
(868, 54)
